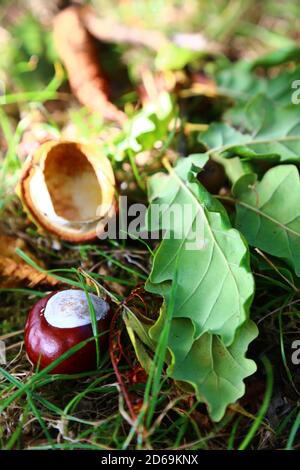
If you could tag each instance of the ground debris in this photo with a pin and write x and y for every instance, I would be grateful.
(14, 271)
(79, 54)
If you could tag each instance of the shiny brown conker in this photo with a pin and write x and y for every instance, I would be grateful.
(60, 321)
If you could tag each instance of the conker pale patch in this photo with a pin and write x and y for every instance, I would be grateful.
(70, 309)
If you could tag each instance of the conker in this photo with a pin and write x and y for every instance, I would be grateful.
(58, 322)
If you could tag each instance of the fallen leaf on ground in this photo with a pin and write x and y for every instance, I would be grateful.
(14, 271)
(78, 52)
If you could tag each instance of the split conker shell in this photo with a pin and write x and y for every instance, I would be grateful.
(58, 322)
(67, 188)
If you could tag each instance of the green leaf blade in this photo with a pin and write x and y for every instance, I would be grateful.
(215, 286)
(265, 132)
(268, 213)
(211, 292)
(215, 371)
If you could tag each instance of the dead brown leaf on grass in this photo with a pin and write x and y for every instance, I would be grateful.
(14, 271)
(77, 50)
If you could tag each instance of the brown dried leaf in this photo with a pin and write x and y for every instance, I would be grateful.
(78, 52)
(14, 271)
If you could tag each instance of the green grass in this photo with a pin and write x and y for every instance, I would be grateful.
(89, 408)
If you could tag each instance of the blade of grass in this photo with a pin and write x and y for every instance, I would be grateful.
(39, 419)
(264, 407)
(18, 431)
(293, 432)
(230, 445)
(283, 355)
(93, 319)
(29, 384)
(154, 381)
(34, 409)
(135, 171)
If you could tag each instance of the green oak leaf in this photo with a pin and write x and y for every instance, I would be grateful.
(266, 132)
(268, 212)
(214, 287)
(215, 371)
(241, 82)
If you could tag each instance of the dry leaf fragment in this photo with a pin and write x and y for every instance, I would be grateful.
(14, 271)
(78, 52)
